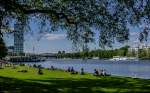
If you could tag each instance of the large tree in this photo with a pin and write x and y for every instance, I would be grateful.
(77, 17)
(3, 49)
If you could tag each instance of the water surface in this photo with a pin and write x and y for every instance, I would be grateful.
(138, 69)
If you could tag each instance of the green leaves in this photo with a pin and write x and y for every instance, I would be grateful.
(144, 35)
(3, 49)
(77, 17)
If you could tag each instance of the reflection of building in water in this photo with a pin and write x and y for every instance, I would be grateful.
(18, 39)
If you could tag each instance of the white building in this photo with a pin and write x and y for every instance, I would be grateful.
(139, 46)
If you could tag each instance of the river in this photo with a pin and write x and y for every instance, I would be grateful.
(136, 69)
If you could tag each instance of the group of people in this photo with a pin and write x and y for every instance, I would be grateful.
(97, 72)
(52, 68)
(72, 71)
(100, 72)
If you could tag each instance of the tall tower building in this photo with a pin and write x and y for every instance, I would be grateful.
(18, 38)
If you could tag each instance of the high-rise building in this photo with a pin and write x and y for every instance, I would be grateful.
(18, 38)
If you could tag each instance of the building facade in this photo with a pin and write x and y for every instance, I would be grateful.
(18, 39)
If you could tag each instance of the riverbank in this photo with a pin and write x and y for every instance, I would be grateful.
(12, 81)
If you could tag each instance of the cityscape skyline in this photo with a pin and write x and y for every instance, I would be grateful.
(50, 42)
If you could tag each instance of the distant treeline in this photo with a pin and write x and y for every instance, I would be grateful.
(102, 54)
(96, 53)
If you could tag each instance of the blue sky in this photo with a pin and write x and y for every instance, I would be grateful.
(48, 43)
(57, 41)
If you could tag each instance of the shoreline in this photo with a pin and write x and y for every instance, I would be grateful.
(134, 75)
(56, 81)
(97, 65)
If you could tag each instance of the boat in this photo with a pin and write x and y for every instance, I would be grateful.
(119, 58)
(95, 58)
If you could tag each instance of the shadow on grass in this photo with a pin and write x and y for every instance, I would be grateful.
(60, 85)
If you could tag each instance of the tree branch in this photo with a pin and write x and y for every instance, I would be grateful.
(10, 5)
(13, 6)
(59, 15)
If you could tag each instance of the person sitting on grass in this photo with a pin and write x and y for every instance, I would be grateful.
(103, 72)
(100, 72)
(73, 71)
(52, 68)
(69, 69)
(40, 70)
(96, 72)
(82, 71)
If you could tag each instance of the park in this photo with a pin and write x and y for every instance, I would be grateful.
(40, 39)
(59, 81)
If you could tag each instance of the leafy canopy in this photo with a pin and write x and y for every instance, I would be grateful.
(79, 17)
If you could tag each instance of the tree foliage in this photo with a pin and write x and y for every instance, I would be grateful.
(123, 51)
(3, 49)
(110, 17)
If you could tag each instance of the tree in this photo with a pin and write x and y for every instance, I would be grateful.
(63, 52)
(125, 50)
(142, 53)
(59, 54)
(110, 17)
(3, 49)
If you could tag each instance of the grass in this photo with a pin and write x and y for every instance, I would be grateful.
(12, 81)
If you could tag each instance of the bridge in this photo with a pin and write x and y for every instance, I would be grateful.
(48, 55)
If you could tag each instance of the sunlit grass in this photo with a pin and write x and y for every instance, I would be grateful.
(63, 82)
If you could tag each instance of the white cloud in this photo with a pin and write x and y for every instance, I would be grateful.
(134, 33)
(134, 41)
(55, 36)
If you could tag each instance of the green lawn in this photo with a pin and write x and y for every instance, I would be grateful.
(12, 81)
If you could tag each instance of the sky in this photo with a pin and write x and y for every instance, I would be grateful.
(48, 43)
(57, 41)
